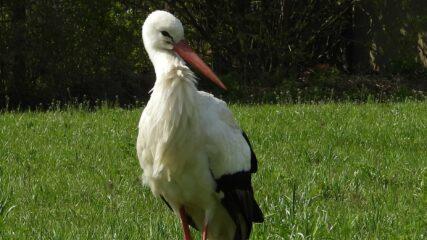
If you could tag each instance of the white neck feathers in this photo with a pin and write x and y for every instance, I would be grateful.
(172, 113)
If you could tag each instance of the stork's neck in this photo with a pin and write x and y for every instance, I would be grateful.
(163, 62)
(173, 109)
(175, 90)
(172, 74)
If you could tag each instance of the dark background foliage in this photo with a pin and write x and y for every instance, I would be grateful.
(280, 50)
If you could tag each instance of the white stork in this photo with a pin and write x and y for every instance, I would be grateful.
(192, 152)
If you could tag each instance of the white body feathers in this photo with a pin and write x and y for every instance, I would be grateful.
(188, 142)
(187, 139)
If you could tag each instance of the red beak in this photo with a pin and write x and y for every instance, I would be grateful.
(186, 53)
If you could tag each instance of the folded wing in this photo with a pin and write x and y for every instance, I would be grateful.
(232, 162)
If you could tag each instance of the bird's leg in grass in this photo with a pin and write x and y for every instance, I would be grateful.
(205, 224)
(184, 223)
(205, 232)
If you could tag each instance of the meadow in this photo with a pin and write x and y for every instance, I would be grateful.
(326, 171)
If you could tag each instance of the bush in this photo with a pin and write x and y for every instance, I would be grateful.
(90, 50)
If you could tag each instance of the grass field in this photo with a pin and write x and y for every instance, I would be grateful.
(328, 171)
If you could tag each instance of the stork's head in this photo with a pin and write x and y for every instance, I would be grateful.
(163, 32)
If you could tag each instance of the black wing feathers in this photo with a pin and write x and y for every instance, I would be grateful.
(239, 198)
(254, 162)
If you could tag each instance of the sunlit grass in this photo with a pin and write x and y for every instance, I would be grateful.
(333, 171)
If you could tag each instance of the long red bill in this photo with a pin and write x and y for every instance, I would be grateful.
(185, 51)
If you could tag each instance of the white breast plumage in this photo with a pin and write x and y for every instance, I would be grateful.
(169, 121)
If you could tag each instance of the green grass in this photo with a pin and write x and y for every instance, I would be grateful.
(331, 171)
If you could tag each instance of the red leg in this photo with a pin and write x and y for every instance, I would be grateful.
(184, 223)
(205, 232)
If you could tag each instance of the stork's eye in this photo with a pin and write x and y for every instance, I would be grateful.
(166, 34)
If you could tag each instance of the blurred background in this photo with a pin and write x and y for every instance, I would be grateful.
(71, 51)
